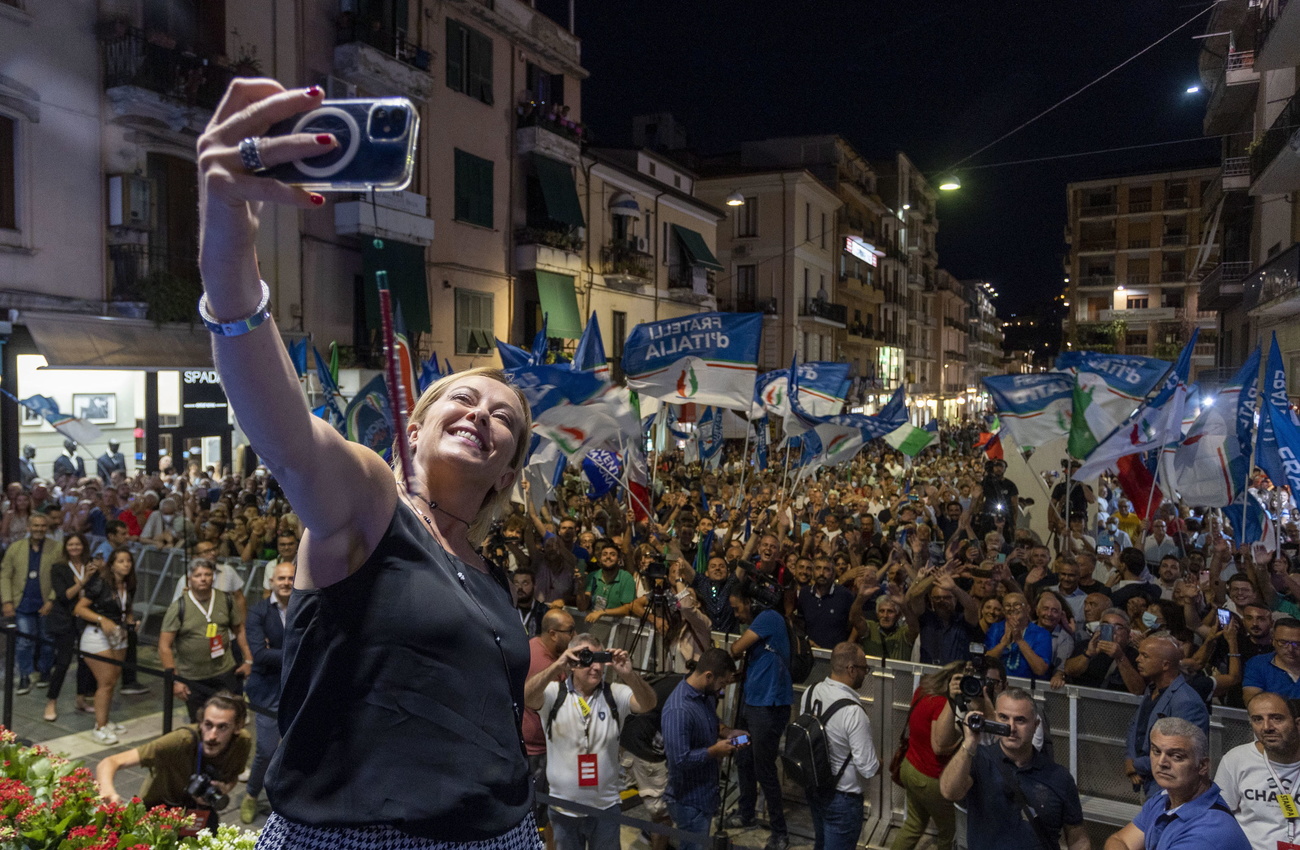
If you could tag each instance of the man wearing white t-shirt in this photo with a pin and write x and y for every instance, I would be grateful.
(1251, 776)
(581, 718)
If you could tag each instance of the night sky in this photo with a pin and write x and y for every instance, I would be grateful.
(937, 80)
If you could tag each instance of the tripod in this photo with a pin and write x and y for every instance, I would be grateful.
(657, 606)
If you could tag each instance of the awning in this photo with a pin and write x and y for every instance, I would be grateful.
(560, 304)
(697, 253)
(624, 204)
(77, 341)
(559, 191)
(406, 281)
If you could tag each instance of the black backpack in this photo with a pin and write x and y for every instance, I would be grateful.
(806, 756)
(564, 694)
(801, 654)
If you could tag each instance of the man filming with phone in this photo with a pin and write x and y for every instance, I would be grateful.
(581, 720)
(1016, 797)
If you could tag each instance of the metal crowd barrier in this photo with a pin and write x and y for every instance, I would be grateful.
(1088, 728)
(159, 571)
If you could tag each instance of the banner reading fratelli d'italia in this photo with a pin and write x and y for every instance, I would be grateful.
(708, 358)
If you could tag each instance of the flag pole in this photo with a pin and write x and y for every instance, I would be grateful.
(744, 457)
(622, 450)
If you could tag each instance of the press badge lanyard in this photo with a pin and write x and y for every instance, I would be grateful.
(1285, 798)
(216, 645)
(588, 770)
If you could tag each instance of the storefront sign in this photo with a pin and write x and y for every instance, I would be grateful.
(862, 250)
(203, 402)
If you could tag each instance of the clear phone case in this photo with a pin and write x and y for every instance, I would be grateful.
(376, 150)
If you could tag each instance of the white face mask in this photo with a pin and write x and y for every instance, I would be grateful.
(1112, 528)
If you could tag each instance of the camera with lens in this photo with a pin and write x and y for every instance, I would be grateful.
(975, 685)
(200, 788)
(980, 723)
(588, 657)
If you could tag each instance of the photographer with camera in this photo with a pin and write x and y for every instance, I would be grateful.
(1015, 796)
(193, 767)
(1000, 497)
(581, 720)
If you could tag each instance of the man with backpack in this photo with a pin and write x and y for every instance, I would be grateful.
(828, 750)
(581, 720)
(769, 692)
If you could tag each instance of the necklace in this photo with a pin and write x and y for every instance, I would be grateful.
(434, 506)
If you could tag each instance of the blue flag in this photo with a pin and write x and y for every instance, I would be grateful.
(369, 417)
(428, 373)
(603, 469)
(705, 358)
(333, 414)
(590, 353)
(1034, 408)
(540, 344)
(1278, 449)
(512, 356)
(709, 431)
(298, 356)
(760, 442)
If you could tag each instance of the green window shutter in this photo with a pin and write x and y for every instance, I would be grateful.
(473, 189)
(480, 67)
(455, 56)
(486, 217)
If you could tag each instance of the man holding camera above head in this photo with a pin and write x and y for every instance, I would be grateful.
(1188, 813)
(581, 720)
(192, 767)
(1015, 796)
(1001, 497)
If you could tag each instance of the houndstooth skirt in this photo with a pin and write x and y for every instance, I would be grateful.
(281, 834)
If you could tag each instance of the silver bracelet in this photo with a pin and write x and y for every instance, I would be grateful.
(237, 327)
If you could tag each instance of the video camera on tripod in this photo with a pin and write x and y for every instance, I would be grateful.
(763, 590)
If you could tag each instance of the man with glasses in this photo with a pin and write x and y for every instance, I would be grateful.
(1168, 694)
(837, 812)
(1278, 672)
(545, 649)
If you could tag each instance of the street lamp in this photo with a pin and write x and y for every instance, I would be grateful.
(949, 183)
(735, 199)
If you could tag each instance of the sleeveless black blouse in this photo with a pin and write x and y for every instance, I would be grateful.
(402, 688)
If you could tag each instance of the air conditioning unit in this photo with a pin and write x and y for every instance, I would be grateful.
(338, 89)
(643, 245)
(130, 201)
(740, 251)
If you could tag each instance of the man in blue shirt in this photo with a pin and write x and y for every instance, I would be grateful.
(1278, 672)
(769, 692)
(1188, 813)
(695, 741)
(1167, 695)
(825, 606)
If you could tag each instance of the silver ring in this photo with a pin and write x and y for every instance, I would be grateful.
(251, 156)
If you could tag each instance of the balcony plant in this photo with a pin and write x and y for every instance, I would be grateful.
(563, 238)
(171, 297)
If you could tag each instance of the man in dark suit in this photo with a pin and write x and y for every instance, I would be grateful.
(69, 464)
(265, 631)
(110, 461)
(1168, 694)
(27, 467)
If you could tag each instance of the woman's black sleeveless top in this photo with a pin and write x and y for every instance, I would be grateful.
(401, 696)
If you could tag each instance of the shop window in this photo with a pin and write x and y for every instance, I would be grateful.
(475, 333)
(469, 62)
(8, 174)
(473, 189)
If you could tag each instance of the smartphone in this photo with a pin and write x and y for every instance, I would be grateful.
(1225, 617)
(1107, 632)
(376, 150)
(1205, 576)
(740, 740)
(1105, 550)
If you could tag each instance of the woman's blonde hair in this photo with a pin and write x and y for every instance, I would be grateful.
(496, 500)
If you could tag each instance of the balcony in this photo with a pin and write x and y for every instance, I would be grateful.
(1141, 279)
(1176, 202)
(1173, 277)
(378, 60)
(1221, 288)
(953, 355)
(539, 128)
(626, 268)
(1097, 280)
(1097, 210)
(1096, 246)
(1275, 156)
(1236, 173)
(403, 216)
(1271, 290)
(691, 284)
(1278, 35)
(1142, 314)
(859, 333)
(165, 285)
(149, 82)
(553, 250)
(825, 312)
(1174, 239)
(1137, 244)
(1139, 207)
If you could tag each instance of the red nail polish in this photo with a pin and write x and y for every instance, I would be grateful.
(318, 200)
(315, 91)
(324, 139)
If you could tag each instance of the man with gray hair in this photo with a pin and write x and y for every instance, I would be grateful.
(1188, 812)
(580, 716)
(197, 635)
(166, 527)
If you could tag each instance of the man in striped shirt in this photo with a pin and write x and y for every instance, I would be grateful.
(695, 742)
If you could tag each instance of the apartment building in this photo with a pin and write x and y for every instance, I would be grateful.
(1139, 246)
(1249, 61)
(984, 342)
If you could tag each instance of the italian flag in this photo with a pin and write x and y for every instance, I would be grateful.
(909, 439)
(1089, 423)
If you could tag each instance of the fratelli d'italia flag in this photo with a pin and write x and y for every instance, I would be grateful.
(707, 359)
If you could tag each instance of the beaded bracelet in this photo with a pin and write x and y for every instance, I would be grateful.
(237, 327)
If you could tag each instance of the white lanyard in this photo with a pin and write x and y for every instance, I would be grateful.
(80, 576)
(1277, 780)
(121, 598)
(212, 600)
